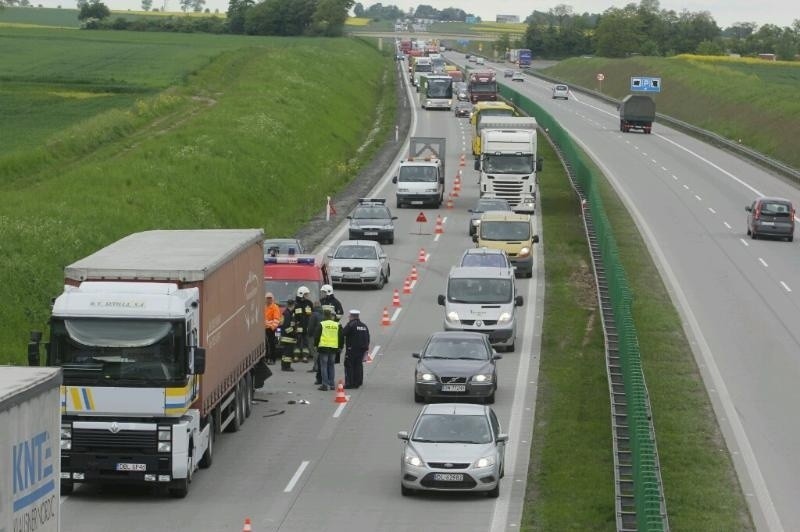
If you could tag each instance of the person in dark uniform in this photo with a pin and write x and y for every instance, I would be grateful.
(303, 308)
(287, 341)
(328, 299)
(356, 337)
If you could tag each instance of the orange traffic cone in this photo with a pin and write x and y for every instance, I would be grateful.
(450, 201)
(413, 273)
(247, 525)
(396, 298)
(463, 163)
(439, 227)
(340, 396)
(457, 180)
(456, 189)
(386, 320)
(422, 257)
(407, 286)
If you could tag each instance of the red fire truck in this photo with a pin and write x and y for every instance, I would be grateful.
(284, 274)
(482, 87)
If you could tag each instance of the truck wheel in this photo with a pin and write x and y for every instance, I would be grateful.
(398, 205)
(181, 489)
(248, 398)
(208, 456)
(67, 487)
(236, 404)
(244, 394)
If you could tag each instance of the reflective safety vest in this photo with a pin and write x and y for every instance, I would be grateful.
(330, 334)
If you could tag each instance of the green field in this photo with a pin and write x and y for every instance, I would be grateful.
(747, 100)
(220, 146)
(68, 18)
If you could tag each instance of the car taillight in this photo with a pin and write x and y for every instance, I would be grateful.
(757, 213)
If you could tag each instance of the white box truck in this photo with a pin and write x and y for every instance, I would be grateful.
(508, 161)
(29, 449)
(420, 178)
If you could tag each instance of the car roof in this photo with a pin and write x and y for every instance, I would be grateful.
(484, 251)
(458, 335)
(775, 199)
(478, 272)
(366, 243)
(463, 409)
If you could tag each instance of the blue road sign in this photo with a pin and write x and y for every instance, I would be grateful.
(642, 84)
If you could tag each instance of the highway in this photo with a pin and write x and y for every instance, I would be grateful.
(323, 466)
(739, 298)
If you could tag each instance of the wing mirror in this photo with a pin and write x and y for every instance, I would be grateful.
(394, 179)
(500, 437)
(477, 164)
(539, 162)
(199, 360)
(402, 435)
(748, 208)
(518, 301)
(535, 239)
(414, 355)
(497, 357)
(440, 300)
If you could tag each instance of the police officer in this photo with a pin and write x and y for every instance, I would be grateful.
(288, 340)
(302, 311)
(329, 341)
(356, 336)
(330, 300)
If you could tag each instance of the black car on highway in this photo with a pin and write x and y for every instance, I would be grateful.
(372, 220)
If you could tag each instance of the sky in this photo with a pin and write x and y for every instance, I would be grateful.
(725, 12)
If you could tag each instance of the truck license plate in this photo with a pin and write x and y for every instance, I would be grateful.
(449, 477)
(416, 202)
(454, 387)
(131, 467)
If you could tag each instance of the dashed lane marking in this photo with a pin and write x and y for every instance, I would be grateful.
(290, 486)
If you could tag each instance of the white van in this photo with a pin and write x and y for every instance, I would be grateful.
(482, 299)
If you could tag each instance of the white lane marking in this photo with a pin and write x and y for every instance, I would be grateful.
(748, 456)
(413, 284)
(374, 352)
(762, 261)
(396, 313)
(743, 241)
(635, 147)
(786, 286)
(339, 410)
(712, 211)
(655, 162)
(727, 225)
(674, 177)
(698, 198)
(664, 168)
(290, 486)
(444, 220)
(644, 154)
(686, 187)
(436, 238)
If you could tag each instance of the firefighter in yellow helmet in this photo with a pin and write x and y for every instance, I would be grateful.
(303, 308)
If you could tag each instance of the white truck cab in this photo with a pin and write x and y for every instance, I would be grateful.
(420, 177)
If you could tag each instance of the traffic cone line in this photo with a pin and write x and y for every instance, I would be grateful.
(385, 320)
(449, 201)
(456, 188)
(439, 227)
(407, 286)
(396, 298)
(462, 163)
(340, 396)
(457, 179)
(422, 256)
(413, 276)
(248, 527)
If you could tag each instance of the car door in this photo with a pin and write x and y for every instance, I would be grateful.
(501, 446)
(383, 260)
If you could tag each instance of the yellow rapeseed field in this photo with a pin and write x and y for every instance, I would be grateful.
(357, 21)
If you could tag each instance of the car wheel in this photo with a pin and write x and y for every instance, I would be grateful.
(381, 281)
(398, 205)
(510, 348)
(494, 492)
(388, 272)
(529, 274)
(753, 235)
(406, 491)
(789, 239)
(418, 398)
(391, 240)
(748, 231)
(67, 487)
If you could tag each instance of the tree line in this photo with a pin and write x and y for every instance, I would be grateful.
(381, 12)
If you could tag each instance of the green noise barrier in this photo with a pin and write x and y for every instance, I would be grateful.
(647, 489)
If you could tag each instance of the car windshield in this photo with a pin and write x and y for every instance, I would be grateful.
(284, 290)
(561, 87)
(356, 252)
(506, 231)
(452, 428)
(508, 163)
(461, 348)
(481, 290)
(490, 260)
(774, 208)
(491, 205)
(371, 213)
(417, 174)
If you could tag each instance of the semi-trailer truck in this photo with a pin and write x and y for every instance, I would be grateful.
(29, 455)
(161, 341)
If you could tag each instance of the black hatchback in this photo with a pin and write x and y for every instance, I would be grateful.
(770, 217)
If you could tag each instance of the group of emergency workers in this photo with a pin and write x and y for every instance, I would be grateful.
(305, 330)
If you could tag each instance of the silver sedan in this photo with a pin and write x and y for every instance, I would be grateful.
(453, 447)
(359, 263)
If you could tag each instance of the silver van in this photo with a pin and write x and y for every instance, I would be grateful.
(483, 300)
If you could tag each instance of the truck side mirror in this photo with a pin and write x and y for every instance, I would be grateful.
(477, 164)
(748, 208)
(518, 301)
(441, 179)
(475, 238)
(535, 239)
(440, 300)
(199, 360)
(394, 179)
(539, 162)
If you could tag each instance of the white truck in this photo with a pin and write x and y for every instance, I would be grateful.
(422, 66)
(29, 449)
(508, 162)
(160, 338)
(420, 177)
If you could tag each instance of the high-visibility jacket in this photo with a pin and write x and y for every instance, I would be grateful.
(272, 316)
(330, 334)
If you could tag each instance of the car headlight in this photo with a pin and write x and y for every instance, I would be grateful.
(476, 223)
(371, 270)
(164, 447)
(453, 316)
(486, 461)
(336, 270)
(388, 226)
(425, 376)
(524, 252)
(412, 459)
(483, 377)
(504, 317)
(66, 445)
(430, 190)
(66, 432)
(402, 190)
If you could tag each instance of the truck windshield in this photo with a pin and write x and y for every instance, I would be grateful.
(506, 231)
(417, 174)
(477, 86)
(104, 350)
(480, 290)
(423, 67)
(508, 163)
(284, 290)
(440, 88)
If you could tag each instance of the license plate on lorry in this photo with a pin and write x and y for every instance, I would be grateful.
(131, 467)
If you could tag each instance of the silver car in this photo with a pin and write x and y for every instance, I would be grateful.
(560, 91)
(359, 263)
(453, 447)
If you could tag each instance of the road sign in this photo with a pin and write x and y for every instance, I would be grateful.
(642, 84)
(600, 76)
(421, 218)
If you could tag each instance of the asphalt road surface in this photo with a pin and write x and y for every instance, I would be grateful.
(322, 466)
(739, 298)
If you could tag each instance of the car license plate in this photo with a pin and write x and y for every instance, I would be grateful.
(131, 467)
(352, 275)
(370, 233)
(767, 223)
(454, 387)
(417, 202)
(449, 477)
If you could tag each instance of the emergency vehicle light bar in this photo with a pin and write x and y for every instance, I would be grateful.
(371, 200)
(291, 259)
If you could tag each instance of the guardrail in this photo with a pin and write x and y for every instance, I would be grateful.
(639, 501)
(703, 134)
